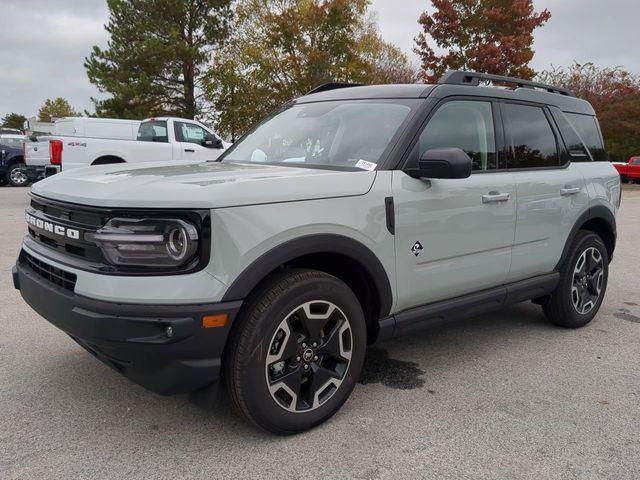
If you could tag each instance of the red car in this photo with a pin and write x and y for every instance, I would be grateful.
(629, 171)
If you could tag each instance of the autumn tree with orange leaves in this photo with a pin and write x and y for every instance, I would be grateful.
(489, 36)
(615, 96)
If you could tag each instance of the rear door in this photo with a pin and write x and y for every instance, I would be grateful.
(455, 236)
(551, 192)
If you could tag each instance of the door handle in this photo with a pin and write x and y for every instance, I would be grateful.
(569, 190)
(189, 150)
(495, 197)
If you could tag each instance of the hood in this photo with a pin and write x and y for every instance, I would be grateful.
(202, 185)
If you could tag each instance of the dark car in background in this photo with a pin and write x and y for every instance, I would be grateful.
(12, 160)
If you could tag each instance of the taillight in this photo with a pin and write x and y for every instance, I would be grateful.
(55, 152)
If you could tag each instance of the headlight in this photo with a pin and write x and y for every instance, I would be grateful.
(149, 242)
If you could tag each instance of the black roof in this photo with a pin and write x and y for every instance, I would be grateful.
(457, 84)
(370, 91)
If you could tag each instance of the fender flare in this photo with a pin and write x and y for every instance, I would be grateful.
(598, 212)
(312, 244)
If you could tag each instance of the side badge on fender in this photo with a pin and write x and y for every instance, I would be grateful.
(417, 248)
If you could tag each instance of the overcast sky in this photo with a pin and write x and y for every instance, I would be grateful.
(43, 43)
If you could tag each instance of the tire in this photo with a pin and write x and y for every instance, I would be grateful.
(274, 338)
(583, 282)
(14, 177)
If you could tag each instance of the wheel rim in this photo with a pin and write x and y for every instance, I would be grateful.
(17, 177)
(588, 277)
(309, 356)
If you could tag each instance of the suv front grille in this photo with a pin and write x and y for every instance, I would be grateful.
(68, 217)
(50, 273)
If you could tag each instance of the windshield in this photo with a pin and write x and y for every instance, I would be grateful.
(351, 134)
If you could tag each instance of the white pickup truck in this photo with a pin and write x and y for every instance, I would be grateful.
(80, 142)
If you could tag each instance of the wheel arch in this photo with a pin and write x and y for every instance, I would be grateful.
(598, 219)
(107, 159)
(340, 256)
(15, 160)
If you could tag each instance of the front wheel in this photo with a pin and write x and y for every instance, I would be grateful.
(583, 282)
(15, 177)
(297, 351)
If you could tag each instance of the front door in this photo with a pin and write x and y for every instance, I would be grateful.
(454, 236)
(191, 137)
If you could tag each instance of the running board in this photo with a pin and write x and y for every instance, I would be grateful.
(433, 314)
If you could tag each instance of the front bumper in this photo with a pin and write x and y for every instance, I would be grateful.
(162, 347)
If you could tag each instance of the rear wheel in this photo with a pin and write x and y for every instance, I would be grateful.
(296, 352)
(583, 282)
(15, 177)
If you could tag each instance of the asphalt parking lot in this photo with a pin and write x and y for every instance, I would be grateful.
(504, 395)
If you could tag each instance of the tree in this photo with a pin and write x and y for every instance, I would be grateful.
(281, 49)
(56, 108)
(154, 59)
(489, 36)
(615, 96)
(14, 120)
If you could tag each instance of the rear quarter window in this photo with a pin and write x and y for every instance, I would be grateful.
(576, 148)
(153, 131)
(589, 131)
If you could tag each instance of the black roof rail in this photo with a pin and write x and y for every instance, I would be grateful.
(460, 77)
(333, 86)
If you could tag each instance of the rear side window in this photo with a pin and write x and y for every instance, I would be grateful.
(587, 128)
(153, 131)
(467, 125)
(635, 161)
(530, 137)
(576, 148)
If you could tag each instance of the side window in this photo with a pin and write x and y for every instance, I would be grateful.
(635, 161)
(587, 128)
(153, 131)
(190, 133)
(532, 141)
(576, 148)
(463, 124)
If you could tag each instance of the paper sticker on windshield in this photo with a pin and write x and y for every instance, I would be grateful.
(363, 164)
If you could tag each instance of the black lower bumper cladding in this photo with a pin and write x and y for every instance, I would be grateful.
(164, 348)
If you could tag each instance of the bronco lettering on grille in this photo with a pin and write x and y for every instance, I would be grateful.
(52, 227)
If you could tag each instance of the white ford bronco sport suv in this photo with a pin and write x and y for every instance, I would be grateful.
(351, 215)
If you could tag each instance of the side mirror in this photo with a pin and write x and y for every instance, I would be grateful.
(441, 163)
(211, 141)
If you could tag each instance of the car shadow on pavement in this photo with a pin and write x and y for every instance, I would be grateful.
(90, 388)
